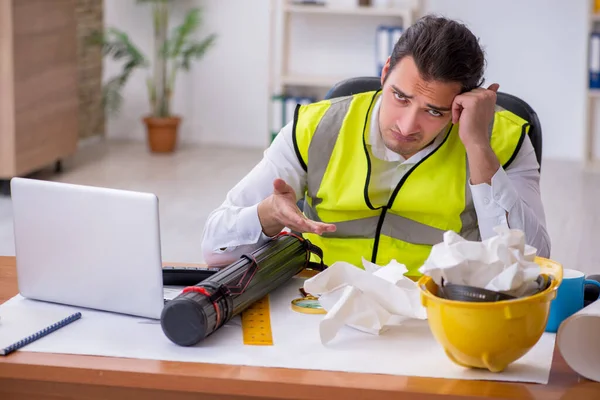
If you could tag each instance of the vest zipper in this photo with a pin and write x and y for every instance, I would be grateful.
(378, 234)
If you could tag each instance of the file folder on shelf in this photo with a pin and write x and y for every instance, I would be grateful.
(282, 111)
(386, 38)
(276, 115)
(594, 61)
(290, 108)
(396, 32)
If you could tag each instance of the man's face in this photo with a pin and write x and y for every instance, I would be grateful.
(413, 111)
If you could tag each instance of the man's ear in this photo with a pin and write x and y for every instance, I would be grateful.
(385, 70)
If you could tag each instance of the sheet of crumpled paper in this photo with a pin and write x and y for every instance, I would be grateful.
(503, 263)
(370, 300)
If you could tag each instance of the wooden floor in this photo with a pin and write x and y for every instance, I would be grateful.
(192, 182)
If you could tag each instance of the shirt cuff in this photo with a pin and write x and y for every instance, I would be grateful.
(248, 227)
(499, 198)
(248, 230)
(493, 202)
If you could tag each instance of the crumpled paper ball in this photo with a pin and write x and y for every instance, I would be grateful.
(503, 263)
(370, 300)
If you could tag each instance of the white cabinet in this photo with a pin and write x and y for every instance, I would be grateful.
(39, 85)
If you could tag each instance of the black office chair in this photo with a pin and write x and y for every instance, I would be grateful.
(508, 101)
(522, 109)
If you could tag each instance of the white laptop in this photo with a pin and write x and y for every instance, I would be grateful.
(88, 246)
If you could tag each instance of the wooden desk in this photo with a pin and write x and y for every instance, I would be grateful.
(25, 375)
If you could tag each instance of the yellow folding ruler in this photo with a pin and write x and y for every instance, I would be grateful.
(256, 323)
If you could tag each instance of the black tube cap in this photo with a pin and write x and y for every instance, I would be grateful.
(183, 321)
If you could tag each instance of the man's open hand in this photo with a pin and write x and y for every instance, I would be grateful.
(474, 111)
(279, 210)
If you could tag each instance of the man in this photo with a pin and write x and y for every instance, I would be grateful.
(384, 174)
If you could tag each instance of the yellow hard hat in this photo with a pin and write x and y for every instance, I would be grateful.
(490, 335)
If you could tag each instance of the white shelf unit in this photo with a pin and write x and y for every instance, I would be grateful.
(287, 81)
(372, 11)
(592, 100)
(318, 81)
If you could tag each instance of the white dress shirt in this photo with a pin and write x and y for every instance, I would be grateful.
(234, 228)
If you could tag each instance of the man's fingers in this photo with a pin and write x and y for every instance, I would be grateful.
(323, 226)
(320, 227)
(295, 220)
(494, 87)
(456, 109)
(280, 186)
(465, 100)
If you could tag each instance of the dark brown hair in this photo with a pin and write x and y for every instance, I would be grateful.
(443, 50)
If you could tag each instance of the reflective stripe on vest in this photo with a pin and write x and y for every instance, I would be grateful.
(320, 129)
(398, 227)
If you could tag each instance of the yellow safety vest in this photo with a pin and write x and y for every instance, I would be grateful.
(432, 197)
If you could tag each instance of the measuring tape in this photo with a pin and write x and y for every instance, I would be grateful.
(256, 323)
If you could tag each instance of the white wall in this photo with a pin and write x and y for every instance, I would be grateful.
(223, 99)
(134, 20)
(535, 50)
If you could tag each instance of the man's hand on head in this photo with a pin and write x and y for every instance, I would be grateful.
(474, 112)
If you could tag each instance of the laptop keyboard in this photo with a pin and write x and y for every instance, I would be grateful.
(170, 292)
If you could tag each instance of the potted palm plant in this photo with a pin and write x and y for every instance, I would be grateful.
(172, 53)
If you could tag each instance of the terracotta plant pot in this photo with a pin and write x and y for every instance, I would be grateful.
(162, 133)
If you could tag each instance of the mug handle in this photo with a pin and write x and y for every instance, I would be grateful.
(591, 282)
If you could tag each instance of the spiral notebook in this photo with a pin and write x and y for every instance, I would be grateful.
(18, 328)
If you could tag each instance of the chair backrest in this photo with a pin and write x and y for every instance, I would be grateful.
(508, 101)
(352, 86)
(522, 109)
